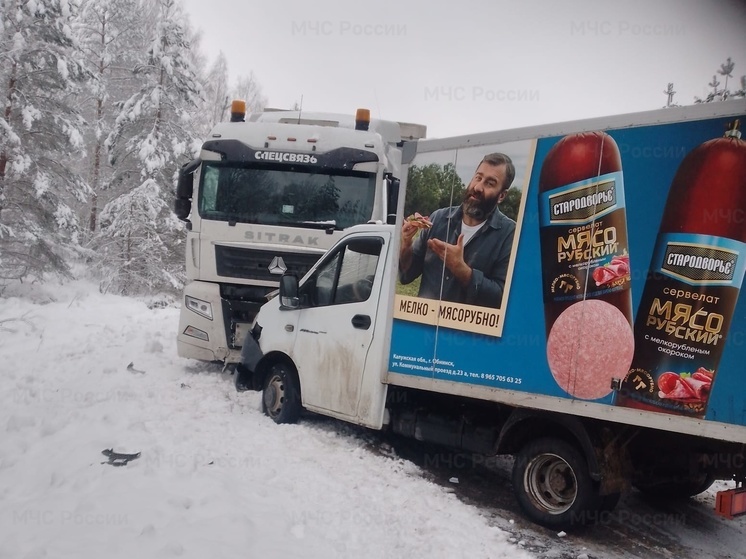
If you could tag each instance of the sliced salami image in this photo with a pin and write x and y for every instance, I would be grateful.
(617, 269)
(685, 387)
(590, 344)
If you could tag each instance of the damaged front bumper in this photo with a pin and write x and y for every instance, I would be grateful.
(251, 355)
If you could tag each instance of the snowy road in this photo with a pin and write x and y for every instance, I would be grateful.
(81, 372)
(636, 529)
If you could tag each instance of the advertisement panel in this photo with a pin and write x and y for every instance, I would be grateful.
(609, 273)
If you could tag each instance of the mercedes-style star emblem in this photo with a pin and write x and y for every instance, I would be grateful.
(277, 266)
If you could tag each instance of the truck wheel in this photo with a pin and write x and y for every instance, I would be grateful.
(281, 394)
(553, 486)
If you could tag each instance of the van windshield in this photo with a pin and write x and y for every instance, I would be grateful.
(285, 195)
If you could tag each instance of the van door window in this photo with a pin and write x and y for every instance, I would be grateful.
(346, 276)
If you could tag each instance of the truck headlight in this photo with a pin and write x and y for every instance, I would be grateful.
(202, 308)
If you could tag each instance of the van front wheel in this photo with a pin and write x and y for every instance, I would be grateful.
(281, 394)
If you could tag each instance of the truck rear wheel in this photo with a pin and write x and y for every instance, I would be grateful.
(553, 486)
(281, 394)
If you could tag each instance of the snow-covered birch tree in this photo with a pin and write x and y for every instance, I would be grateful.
(217, 95)
(151, 138)
(41, 75)
(249, 89)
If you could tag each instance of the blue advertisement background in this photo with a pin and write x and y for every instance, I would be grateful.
(650, 158)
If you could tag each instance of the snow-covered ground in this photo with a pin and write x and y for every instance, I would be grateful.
(82, 372)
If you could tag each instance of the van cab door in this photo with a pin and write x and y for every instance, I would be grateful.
(336, 324)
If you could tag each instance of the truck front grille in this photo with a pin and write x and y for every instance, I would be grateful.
(233, 262)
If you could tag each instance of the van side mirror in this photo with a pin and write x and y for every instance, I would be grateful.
(289, 292)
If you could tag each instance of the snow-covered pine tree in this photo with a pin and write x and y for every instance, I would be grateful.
(112, 40)
(721, 94)
(137, 242)
(152, 137)
(42, 72)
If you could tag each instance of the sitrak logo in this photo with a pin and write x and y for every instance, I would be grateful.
(700, 263)
(277, 266)
(581, 204)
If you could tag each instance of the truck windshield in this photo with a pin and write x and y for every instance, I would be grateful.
(286, 195)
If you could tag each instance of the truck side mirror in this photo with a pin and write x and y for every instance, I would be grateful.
(185, 182)
(392, 197)
(185, 189)
(182, 207)
(289, 292)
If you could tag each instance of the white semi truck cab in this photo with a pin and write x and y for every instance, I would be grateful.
(270, 196)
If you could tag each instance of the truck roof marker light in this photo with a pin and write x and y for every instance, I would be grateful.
(238, 110)
(370, 145)
(271, 137)
(312, 140)
(291, 139)
(362, 119)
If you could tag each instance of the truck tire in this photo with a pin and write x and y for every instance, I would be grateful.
(281, 394)
(553, 486)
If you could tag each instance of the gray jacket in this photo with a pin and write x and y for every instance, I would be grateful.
(487, 253)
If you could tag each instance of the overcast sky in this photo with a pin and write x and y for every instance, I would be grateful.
(475, 65)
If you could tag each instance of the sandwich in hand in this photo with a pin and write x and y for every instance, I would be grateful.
(420, 221)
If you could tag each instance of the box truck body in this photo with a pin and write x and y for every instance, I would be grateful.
(613, 355)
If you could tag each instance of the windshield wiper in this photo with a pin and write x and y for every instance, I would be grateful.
(330, 225)
(233, 219)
